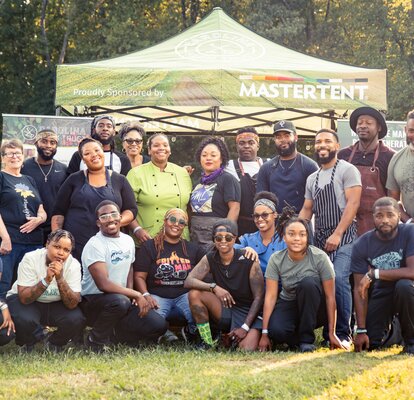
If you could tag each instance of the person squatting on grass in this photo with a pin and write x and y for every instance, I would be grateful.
(47, 293)
(6, 322)
(116, 312)
(235, 297)
(307, 299)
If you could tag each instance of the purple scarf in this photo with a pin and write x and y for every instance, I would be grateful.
(207, 179)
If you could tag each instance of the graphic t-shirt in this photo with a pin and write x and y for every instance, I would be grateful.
(167, 273)
(382, 254)
(19, 199)
(211, 200)
(118, 253)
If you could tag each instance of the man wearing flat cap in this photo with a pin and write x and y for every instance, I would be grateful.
(48, 173)
(371, 156)
(245, 170)
(285, 175)
(103, 130)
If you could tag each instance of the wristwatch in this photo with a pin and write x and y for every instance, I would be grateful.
(212, 286)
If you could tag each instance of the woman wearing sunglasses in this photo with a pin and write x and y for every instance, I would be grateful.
(307, 299)
(235, 297)
(161, 267)
(132, 136)
(266, 240)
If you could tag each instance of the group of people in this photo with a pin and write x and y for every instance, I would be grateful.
(260, 252)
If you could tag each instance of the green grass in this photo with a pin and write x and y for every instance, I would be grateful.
(161, 373)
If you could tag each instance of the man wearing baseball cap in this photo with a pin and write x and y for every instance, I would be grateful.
(285, 175)
(371, 156)
(103, 130)
(48, 173)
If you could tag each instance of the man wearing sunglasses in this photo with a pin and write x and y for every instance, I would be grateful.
(103, 130)
(116, 312)
(235, 297)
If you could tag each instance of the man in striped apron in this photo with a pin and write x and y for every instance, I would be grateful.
(332, 196)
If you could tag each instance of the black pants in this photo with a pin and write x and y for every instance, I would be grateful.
(4, 338)
(293, 322)
(386, 300)
(29, 318)
(113, 318)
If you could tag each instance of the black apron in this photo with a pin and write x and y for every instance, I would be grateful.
(328, 215)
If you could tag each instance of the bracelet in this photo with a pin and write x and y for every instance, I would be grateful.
(409, 221)
(136, 229)
(360, 330)
(245, 327)
(376, 273)
(146, 294)
(3, 306)
(368, 276)
(265, 331)
(44, 283)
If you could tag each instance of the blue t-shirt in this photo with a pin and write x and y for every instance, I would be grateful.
(382, 254)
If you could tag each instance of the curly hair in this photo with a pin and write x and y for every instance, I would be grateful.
(221, 145)
(266, 195)
(131, 126)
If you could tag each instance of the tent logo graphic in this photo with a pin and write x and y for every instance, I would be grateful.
(219, 45)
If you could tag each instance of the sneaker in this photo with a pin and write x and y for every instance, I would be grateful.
(307, 347)
(94, 346)
(346, 343)
(203, 346)
(188, 336)
(408, 349)
(168, 337)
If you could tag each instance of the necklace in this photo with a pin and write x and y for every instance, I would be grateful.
(290, 166)
(41, 170)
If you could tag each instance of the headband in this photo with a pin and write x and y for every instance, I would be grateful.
(247, 135)
(176, 210)
(46, 133)
(265, 202)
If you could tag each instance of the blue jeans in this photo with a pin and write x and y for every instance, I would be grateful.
(170, 307)
(342, 266)
(10, 264)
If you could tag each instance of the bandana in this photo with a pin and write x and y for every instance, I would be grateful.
(46, 134)
(208, 179)
(176, 210)
(247, 135)
(265, 202)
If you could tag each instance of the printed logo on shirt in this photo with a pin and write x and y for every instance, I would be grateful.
(388, 261)
(25, 192)
(118, 256)
(172, 270)
(201, 198)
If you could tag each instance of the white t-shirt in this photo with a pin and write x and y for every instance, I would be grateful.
(117, 253)
(33, 268)
(249, 167)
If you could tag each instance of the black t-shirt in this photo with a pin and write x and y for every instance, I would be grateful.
(56, 175)
(211, 200)
(382, 254)
(234, 277)
(167, 273)
(19, 199)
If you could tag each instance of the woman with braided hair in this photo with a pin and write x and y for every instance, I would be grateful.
(266, 240)
(161, 267)
(307, 298)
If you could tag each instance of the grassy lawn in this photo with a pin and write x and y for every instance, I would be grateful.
(179, 373)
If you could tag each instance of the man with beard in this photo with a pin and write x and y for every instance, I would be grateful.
(285, 175)
(103, 130)
(400, 181)
(48, 173)
(245, 170)
(332, 196)
(383, 262)
(371, 156)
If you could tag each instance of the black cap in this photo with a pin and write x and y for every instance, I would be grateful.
(230, 226)
(353, 119)
(285, 126)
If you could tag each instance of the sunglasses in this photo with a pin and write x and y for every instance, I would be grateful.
(109, 216)
(264, 215)
(174, 220)
(219, 238)
(132, 141)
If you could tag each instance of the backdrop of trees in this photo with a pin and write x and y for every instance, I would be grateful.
(36, 35)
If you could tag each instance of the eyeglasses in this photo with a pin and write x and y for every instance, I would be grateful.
(227, 238)
(264, 215)
(132, 141)
(175, 220)
(11, 155)
(108, 216)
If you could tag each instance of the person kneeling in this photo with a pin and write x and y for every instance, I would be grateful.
(6, 323)
(308, 284)
(47, 293)
(235, 297)
(115, 311)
